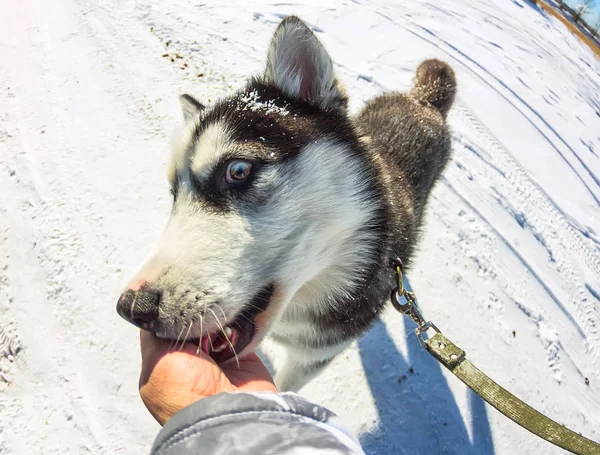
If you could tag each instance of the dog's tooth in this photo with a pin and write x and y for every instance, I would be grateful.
(219, 348)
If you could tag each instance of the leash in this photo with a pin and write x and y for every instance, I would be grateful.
(454, 359)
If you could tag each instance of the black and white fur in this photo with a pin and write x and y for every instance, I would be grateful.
(331, 200)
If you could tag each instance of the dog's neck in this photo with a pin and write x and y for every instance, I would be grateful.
(345, 251)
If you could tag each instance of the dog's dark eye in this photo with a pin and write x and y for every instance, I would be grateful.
(237, 171)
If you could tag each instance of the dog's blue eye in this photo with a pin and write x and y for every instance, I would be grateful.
(238, 171)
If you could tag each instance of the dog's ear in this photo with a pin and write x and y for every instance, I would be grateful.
(300, 67)
(191, 107)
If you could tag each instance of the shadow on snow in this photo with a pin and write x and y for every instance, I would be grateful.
(417, 412)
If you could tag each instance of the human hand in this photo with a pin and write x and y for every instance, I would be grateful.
(172, 379)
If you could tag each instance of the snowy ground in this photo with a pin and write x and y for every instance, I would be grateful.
(509, 267)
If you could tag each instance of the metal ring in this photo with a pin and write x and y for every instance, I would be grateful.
(400, 280)
(398, 306)
(419, 331)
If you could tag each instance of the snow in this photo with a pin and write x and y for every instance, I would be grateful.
(508, 267)
(252, 102)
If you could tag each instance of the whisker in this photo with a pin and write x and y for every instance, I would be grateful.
(245, 317)
(283, 335)
(186, 334)
(267, 311)
(250, 305)
(212, 348)
(177, 341)
(223, 312)
(201, 335)
(209, 337)
(225, 335)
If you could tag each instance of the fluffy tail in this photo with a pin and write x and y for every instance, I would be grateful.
(435, 84)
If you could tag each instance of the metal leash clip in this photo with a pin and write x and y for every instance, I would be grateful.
(405, 302)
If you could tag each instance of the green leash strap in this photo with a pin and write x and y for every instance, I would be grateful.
(454, 358)
(518, 411)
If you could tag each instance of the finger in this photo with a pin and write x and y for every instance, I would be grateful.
(150, 345)
(174, 379)
(164, 362)
(152, 349)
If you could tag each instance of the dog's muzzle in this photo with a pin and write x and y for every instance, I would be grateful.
(141, 308)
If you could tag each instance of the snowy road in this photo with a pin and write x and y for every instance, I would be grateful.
(509, 266)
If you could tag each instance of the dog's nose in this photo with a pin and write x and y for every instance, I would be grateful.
(139, 307)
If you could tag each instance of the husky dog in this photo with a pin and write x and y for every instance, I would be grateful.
(287, 211)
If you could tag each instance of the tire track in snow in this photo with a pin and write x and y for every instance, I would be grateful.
(462, 58)
(10, 347)
(10, 344)
(47, 396)
(56, 236)
(552, 229)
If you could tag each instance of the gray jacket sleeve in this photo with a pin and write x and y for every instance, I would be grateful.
(254, 423)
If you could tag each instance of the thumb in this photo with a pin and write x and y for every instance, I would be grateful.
(177, 368)
(172, 379)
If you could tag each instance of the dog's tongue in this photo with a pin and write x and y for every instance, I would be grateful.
(222, 348)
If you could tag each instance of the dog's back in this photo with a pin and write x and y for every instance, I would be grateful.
(408, 131)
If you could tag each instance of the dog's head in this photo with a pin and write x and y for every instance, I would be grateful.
(271, 201)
